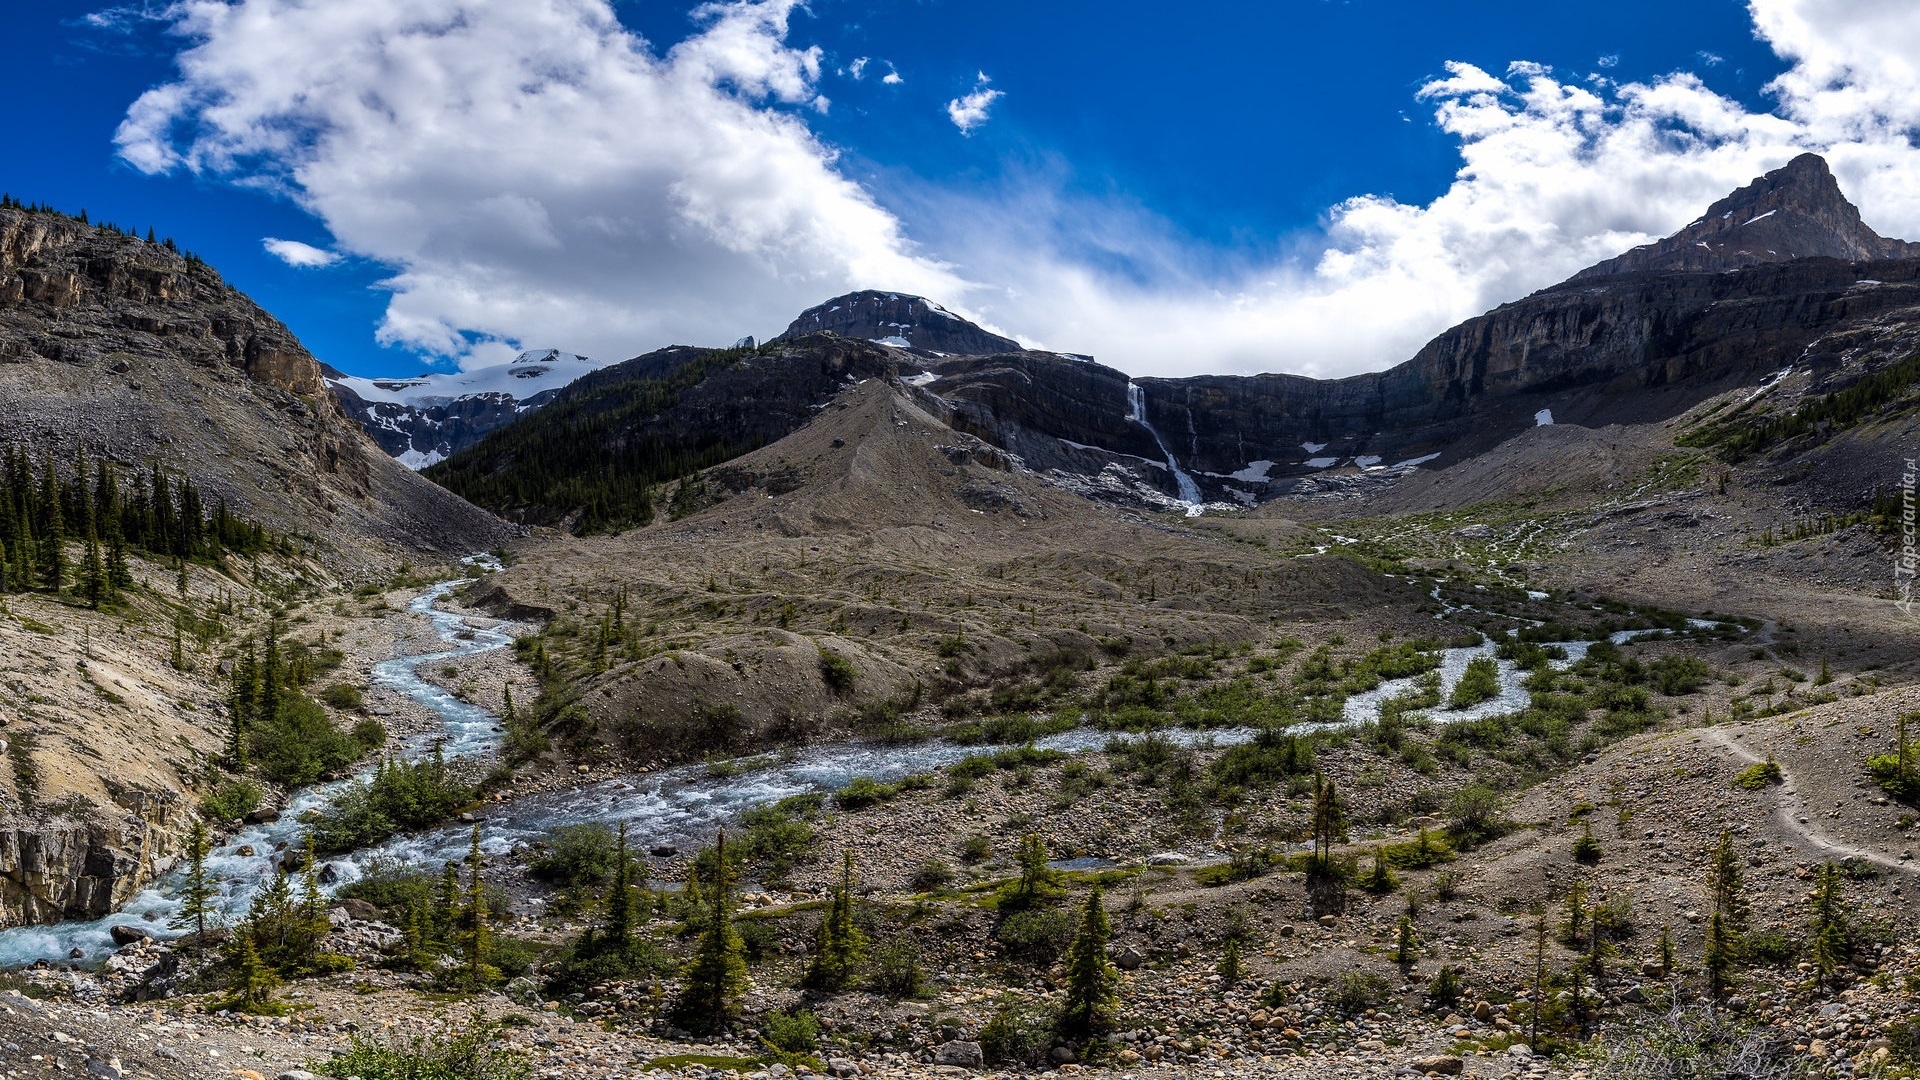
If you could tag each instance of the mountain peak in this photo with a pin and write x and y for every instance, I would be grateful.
(901, 320)
(1794, 212)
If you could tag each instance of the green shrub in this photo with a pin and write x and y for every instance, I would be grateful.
(933, 875)
(864, 791)
(394, 887)
(1019, 1033)
(300, 745)
(1037, 936)
(1678, 675)
(577, 855)
(1480, 682)
(777, 838)
(232, 800)
(476, 1053)
(894, 967)
(1770, 947)
(1271, 758)
(1358, 991)
(402, 796)
(976, 848)
(343, 696)
(791, 1036)
(1757, 776)
(837, 672)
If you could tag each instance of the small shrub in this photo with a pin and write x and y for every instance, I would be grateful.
(232, 800)
(894, 967)
(1586, 849)
(1445, 988)
(1758, 776)
(1358, 991)
(837, 672)
(577, 855)
(343, 696)
(864, 791)
(1770, 947)
(792, 1036)
(1480, 682)
(1038, 937)
(933, 875)
(477, 1053)
(1018, 1034)
(976, 848)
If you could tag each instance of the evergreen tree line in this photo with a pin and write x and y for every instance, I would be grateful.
(1739, 438)
(150, 512)
(272, 724)
(8, 202)
(592, 454)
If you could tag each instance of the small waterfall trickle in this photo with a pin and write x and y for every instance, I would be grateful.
(1137, 412)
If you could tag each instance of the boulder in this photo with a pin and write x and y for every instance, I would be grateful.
(1444, 1064)
(1129, 959)
(127, 933)
(967, 1055)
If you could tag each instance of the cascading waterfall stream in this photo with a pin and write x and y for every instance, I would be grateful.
(1137, 412)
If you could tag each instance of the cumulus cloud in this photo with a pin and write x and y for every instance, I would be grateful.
(536, 174)
(892, 77)
(295, 253)
(858, 68)
(970, 111)
(533, 172)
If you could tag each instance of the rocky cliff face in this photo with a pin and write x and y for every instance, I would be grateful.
(140, 354)
(1794, 212)
(906, 322)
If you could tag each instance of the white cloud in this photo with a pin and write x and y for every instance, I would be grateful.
(295, 253)
(535, 174)
(858, 67)
(969, 112)
(892, 77)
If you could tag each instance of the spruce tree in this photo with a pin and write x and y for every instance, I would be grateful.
(446, 902)
(1037, 885)
(93, 572)
(842, 946)
(1406, 948)
(254, 979)
(1721, 950)
(1724, 878)
(1230, 969)
(198, 890)
(479, 938)
(1093, 996)
(1329, 823)
(1828, 944)
(53, 535)
(620, 897)
(717, 974)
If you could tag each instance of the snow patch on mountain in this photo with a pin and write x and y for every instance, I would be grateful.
(532, 372)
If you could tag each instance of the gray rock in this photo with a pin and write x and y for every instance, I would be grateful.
(964, 1054)
(127, 933)
(1062, 1055)
(296, 1074)
(1129, 959)
(842, 1067)
(1445, 1064)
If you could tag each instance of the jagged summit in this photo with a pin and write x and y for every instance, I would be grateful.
(1794, 212)
(900, 320)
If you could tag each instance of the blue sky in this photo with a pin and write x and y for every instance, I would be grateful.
(1239, 191)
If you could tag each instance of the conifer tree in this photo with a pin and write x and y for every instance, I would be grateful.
(717, 974)
(1230, 969)
(1093, 983)
(254, 980)
(271, 674)
(618, 937)
(1828, 944)
(479, 937)
(1329, 823)
(1406, 948)
(198, 890)
(1724, 878)
(93, 572)
(53, 565)
(446, 902)
(842, 946)
(1721, 950)
(1037, 884)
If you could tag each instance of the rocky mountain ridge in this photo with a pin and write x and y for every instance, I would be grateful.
(1659, 331)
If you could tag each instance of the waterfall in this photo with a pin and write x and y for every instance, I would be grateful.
(1137, 412)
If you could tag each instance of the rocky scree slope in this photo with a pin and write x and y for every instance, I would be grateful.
(138, 355)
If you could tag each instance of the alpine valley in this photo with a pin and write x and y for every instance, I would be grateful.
(888, 698)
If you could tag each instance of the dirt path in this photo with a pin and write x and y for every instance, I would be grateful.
(1796, 817)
